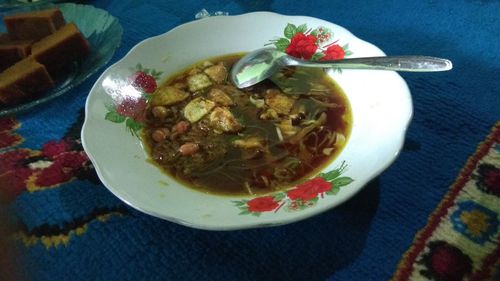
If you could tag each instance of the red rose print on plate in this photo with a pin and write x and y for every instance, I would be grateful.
(334, 52)
(302, 46)
(302, 196)
(310, 189)
(143, 81)
(310, 44)
(262, 204)
(134, 108)
(131, 110)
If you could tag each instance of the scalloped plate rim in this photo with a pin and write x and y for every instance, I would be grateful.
(242, 225)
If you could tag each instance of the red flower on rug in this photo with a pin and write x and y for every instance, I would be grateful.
(445, 262)
(13, 174)
(460, 240)
(7, 137)
(488, 179)
(54, 148)
(23, 169)
(62, 169)
(8, 124)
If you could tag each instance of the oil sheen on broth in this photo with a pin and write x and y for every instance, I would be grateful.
(216, 138)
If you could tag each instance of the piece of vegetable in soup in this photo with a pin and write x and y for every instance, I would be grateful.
(216, 138)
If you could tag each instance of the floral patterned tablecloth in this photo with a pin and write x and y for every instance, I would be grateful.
(432, 215)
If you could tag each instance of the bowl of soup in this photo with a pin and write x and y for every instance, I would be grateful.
(169, 134)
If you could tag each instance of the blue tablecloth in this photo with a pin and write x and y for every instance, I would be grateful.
(80, 231)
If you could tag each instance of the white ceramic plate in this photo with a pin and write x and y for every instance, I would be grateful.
(381, 110)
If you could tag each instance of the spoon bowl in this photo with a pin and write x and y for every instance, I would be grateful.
(261, 64)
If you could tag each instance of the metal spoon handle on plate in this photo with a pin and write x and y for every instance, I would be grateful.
(396, 63)
(263, 63)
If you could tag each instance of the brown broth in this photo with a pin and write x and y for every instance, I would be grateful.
(221, 168)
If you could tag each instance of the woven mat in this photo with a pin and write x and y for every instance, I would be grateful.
(60, 222)
(461, 240)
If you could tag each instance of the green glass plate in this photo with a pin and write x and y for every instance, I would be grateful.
(102, 30)
(8, 4)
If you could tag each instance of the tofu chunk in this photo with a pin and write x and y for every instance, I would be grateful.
(286, 128)
(219, 97)
(223, 121)
(249, 143)
(198, 82)
(230, 90)
(168, 95)
(218, 73)
(269, 114)
(278, 101)
(197, 109)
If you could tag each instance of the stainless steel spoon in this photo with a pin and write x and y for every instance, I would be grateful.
(261, 64)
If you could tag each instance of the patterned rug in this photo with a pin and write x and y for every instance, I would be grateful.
(461, 240)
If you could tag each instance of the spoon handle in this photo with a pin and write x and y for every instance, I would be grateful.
(396, 63)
